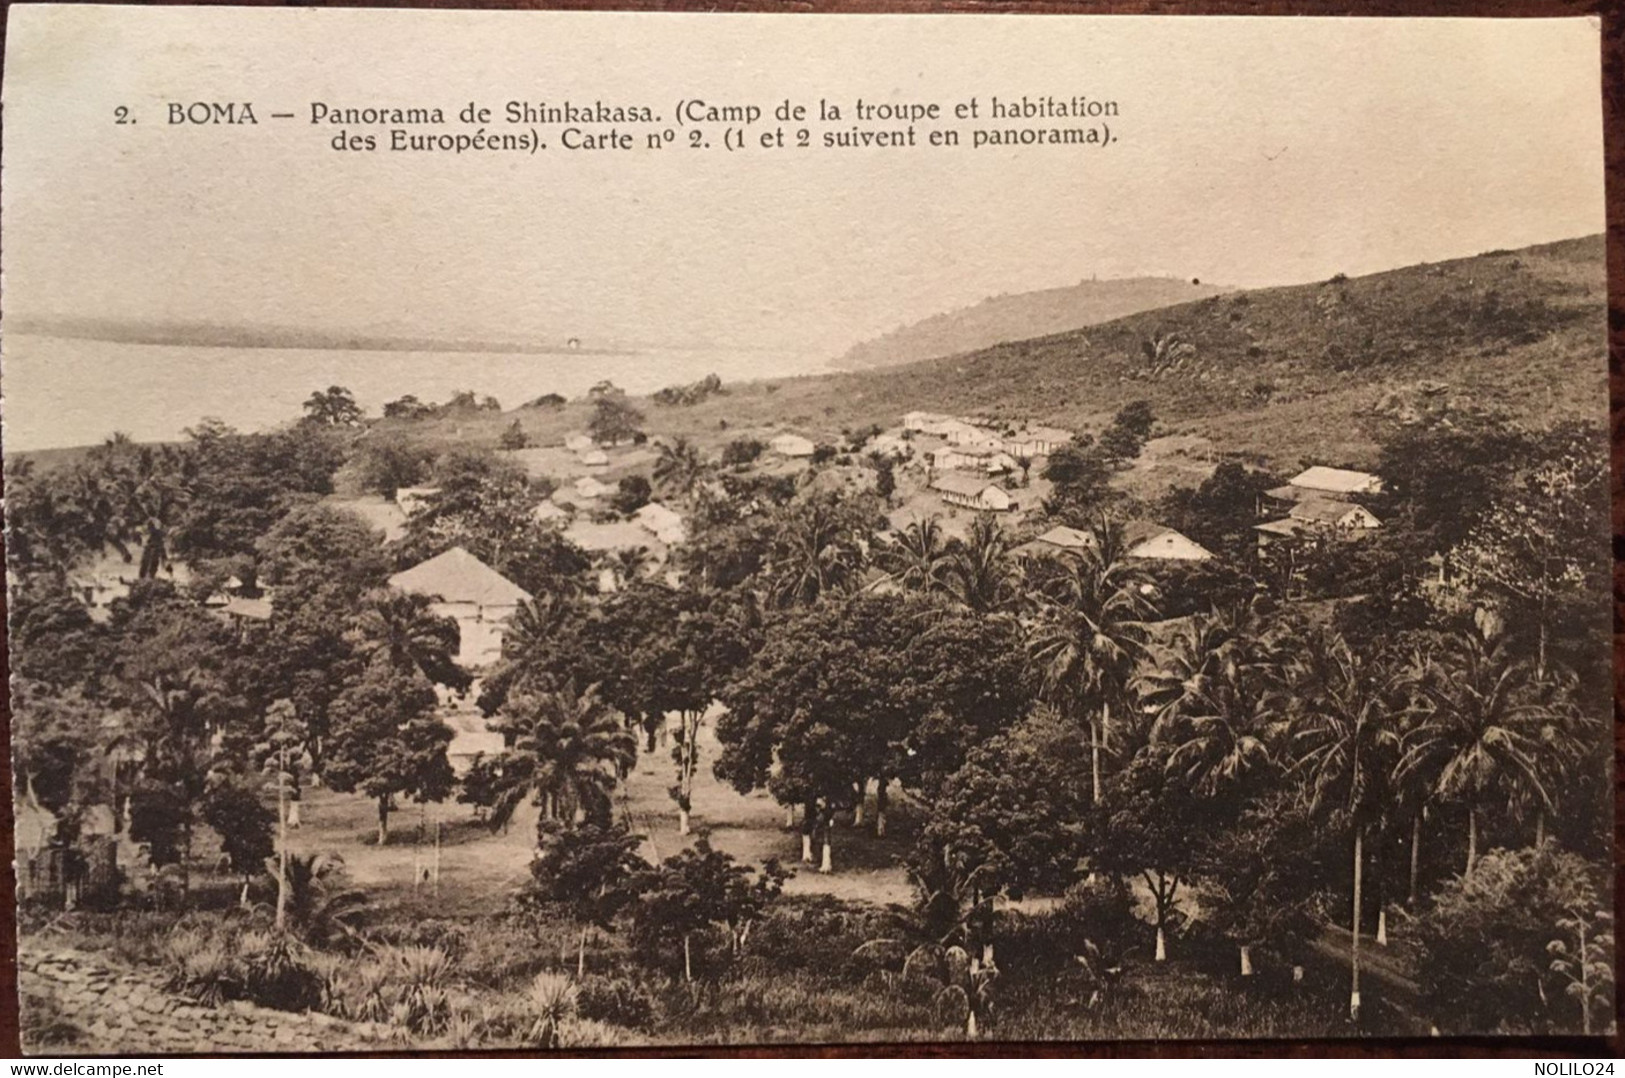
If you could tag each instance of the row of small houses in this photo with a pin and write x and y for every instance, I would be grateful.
(1312, 505)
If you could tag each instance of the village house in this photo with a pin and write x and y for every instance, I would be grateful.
(982, 459)
(1057, 540)
(577, 442)
(1032, 442)
(1153, 542)
(594, 458)
(791, 445)
(661, 522)
(926, 422)
(589, 488)
(968, 492)
(1338, 484)
(549, 512)
(476, 596)
(958, 432)
(109, 577)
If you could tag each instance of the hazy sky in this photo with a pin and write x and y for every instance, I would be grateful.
(1251, 152)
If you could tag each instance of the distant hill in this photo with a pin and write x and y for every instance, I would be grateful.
(1298, 372)
(1020, 316)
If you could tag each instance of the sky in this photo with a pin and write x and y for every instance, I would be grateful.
(1250, 152)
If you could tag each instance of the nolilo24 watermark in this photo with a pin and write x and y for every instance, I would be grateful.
(1573, 1070)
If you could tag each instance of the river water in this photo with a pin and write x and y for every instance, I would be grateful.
(66, 392)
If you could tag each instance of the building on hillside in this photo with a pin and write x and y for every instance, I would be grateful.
(969, 492)
(791, 445)
(589, 488)
(1058, 540)
(1338, 484)
(471, 739)
(577, 442)
(99, 582)
(549, 512)
(926, 422)
(1032, 442)
(661, 522)
(1336, 516)
(414, 500)
(594, 458)
(1317, 519)
(464, 588)
(1153, 542)
(959, 432)
(982, 459)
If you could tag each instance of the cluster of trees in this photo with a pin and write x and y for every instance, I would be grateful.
(1049, 719)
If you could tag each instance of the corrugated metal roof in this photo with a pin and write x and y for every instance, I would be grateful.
(1337, 480)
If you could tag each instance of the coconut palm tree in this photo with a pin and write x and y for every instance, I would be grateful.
(568, 749)
(1489, 734)
(814, 553)
(403, 630)
(980, 572)
(1089, 634)
(680, 468)
(1225, 731)
(1231, 645)
(1346, 741)
(918, 557)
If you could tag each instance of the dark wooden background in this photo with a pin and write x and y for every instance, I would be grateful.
(1612, 90)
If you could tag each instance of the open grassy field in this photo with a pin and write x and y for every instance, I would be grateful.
(481, 869)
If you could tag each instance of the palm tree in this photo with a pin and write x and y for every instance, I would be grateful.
(1089, 635)
(1224, 731)
(569, 750)
(980, 572)
(814, 553)
(403, 630)
(1488, 733)
(680, 468)
(319, 905)
(143, 490)
(1234, 645)
(1346, 743)
(918, 557)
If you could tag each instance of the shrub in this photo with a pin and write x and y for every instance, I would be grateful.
(617, 1000)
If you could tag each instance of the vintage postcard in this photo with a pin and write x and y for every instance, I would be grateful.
(565, 530)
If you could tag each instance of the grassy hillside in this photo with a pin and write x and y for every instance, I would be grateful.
(1020, 316)
(1283, 375)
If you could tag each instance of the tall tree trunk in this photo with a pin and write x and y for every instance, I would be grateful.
(857, 809)
(1094, 763)
(1354, 951)
(1246, 960)
(808, 823)
(1416, 845)
(827, 864)
(1585, 984)
(383, 819)
(880, 807)
(1162, 943)
(282, 849)
(688, 960)
(789, 817)
(1472, 839)
(1540, 828)
(581, 954)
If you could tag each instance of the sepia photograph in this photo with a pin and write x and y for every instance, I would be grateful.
(544, 532)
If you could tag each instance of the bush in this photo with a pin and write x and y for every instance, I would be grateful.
(1488, 942)
(620, 1001)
